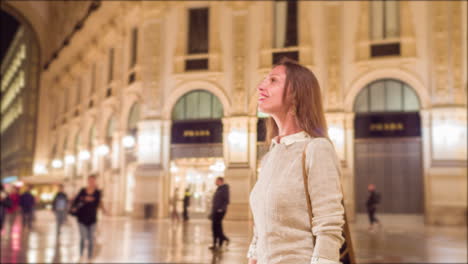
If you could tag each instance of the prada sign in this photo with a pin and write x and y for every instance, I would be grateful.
(197, 131)
(387, 125)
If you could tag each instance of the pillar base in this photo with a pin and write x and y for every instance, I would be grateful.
(239, 183)
(149, 195)
(446, 215)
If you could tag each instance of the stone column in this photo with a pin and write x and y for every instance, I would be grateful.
(150, 174)
(239, 169)
(340, 125)
(446, 175)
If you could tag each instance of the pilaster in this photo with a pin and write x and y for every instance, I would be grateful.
(239, 169)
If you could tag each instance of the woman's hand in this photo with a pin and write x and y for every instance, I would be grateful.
(252, 261)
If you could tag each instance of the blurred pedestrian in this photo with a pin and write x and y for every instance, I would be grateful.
(187, 196)
(84, 207)
(5, 203)
(12, 211)
(371, 204)
(60, 207)
(174, 200)
(218, 211)
(27, 203)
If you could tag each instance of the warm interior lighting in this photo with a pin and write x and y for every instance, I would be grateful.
(102, 150)
(57, 164)
(40, 169)
(128, 141)
(84, 155)
(69, 159)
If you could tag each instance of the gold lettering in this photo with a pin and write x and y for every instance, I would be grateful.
(196, 133)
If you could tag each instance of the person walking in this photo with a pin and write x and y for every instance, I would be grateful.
(299, 175)
(218, 211)
(5, 203)
(187, 196)
(84, 207)
(27, 203)
(60, 207)
(174, 200)
(12, 211)
(371, 204)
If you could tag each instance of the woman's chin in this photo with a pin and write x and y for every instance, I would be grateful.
(263, 110)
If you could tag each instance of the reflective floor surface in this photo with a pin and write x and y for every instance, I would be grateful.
(402, 239)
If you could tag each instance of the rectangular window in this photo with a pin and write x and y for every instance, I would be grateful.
(111, 65)
(93, 79)
(196, 64)
(65, 100)
(384, 20)
(198, 31)
(78, 91)
(285, 24)
(134, 48)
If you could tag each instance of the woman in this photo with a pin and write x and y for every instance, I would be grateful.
(290, 94)
(85, 207)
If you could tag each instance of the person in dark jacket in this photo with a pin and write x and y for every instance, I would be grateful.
(60, 207)
(371, 204)
(218, 211)
(85, 206)
(27, 203)
(187, 196)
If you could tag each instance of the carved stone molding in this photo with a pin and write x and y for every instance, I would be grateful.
(239, 29)
(457, 56)
(150, 56)
(440, 37)
(333, 89)
(362, 33)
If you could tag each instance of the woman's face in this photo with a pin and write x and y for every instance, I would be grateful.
(270, 92)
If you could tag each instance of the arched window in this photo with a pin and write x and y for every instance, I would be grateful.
(198, 104)
(92, 136)
(386, 95)
(134, 117)
(110, 127)
(65, 145)
(77, 143)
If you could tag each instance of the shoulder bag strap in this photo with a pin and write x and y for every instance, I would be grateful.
(347, 252)
(306, 188)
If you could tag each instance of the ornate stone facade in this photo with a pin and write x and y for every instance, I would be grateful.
(333, 40)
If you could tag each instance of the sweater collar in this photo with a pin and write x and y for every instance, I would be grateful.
(290, 139)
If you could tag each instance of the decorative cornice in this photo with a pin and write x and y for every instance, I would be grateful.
(95, 4)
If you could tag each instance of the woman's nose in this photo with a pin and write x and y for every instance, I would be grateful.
(261, 86)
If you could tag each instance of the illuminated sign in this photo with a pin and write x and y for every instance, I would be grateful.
(197, 131)
(387, 125)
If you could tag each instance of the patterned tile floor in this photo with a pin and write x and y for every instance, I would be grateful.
(402, 239)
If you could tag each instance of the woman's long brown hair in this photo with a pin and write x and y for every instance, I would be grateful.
(302, 92)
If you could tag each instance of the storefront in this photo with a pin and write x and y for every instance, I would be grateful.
(388, 148)
(196, 150)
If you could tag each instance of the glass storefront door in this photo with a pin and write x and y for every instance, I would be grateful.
(195, 177)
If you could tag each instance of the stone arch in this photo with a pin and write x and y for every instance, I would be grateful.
(386, 73)
(196, 85)
(133, 99)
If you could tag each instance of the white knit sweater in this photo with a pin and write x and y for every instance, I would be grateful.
(282, 232)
